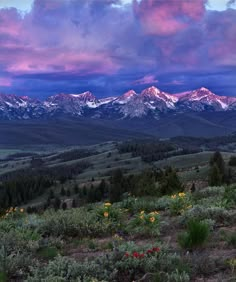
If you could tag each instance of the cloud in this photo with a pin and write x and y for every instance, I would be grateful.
(5, 81)
(159, 17)
(123, 42)
(147, 79)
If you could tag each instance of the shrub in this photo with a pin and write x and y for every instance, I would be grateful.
(179, 203)
(195, 236)
(145, 223)
(229, 197)
(220, 215)
(231, 239)
(146, 203)
(232, 161)
(74, 222)
(48, 252)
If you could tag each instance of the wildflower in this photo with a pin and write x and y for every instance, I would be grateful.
(156, 249)
(107, 204)
(106, 214)
(127, 255)
(15, 209)
(156, 212)
(149, 251)
(141, 217)
(173, 196)
(21, 210)
(141, 255)
(135, 254)
(181, 195)
(142, 212)
(152, 219)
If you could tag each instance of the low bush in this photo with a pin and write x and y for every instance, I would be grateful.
(180, 203)
(196, 235)
(218, 214)
(145, 224)
(75, 222)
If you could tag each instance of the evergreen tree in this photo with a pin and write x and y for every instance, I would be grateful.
(74, 203)
(219, 161)
(64, 206)
(117, 188)
(193, 188)
(170, 182)
(57, 203)
(215, 177)
(76, 189)
(51, 194)
(63, 191)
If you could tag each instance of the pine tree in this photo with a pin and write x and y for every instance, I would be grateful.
(57, 203)
(117, 188)
(76, 189)
(64, 206)
(219, 161)
(193, 188)
(74, 203)
(63, 192)
(51, 194)
(215, 178)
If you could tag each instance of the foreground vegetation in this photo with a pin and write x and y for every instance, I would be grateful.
(168, 238)
(105, 214)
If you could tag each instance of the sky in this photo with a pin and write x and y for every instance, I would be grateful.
(111, 46)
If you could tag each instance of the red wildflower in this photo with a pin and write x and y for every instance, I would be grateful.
(141, 255)
(156, 249)
(149, 251)
(127, 254)
(135, 254)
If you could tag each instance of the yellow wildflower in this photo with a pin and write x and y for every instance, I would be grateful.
(152, 219)
(142, 212)
(173, 196)
(182, 194)
(107, 204)
(141, 217)
(106, 214)
(21, 210)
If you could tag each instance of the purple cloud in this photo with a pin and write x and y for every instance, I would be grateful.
(131, 44)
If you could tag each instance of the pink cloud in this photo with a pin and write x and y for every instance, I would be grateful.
(174, 82)
(147, 79)
(5, 81)
(163, 18)
(10, 22)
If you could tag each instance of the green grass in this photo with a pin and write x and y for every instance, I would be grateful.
(48, 252)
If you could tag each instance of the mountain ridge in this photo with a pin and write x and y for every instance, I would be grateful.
(150, 102)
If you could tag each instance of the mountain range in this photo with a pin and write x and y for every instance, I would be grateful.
(151, 102)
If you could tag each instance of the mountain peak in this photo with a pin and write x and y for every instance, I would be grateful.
(126, 97)
(151, 91)
(204, 89)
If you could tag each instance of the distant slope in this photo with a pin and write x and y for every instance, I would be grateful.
(63, 132)
(89, 131)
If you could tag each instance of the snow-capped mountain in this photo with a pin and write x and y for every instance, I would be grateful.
(150, 102)
(203, 99)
